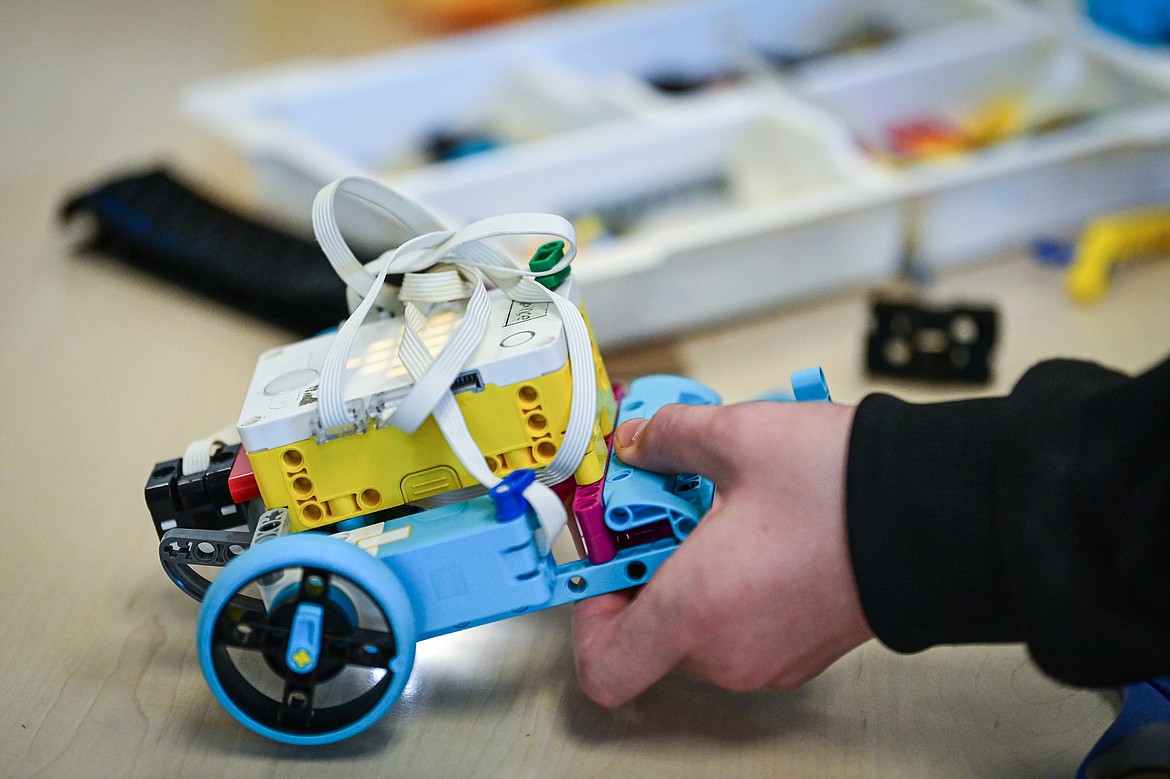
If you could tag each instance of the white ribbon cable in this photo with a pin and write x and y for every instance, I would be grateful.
(486, 258)
(464, 246)
(583, 401)
(433, 376)
(331, 392)
(519, 285)
(416, 219)
(197, 455)
(424, 252)
(465, 249)
(435, 286)
(550, 511)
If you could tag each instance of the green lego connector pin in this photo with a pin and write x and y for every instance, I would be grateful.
(547, 256)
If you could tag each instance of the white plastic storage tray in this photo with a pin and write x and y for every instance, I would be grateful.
(761, 184)
(719, 208)
(1092, 136)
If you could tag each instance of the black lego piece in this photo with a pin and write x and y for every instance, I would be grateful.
(199, 501)
(154, 222)
(908, 340)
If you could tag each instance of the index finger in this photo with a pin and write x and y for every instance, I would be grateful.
(677, 439)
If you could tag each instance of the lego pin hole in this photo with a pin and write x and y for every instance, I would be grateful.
(370, 498)
(577, 584)
(636, 571)
(621, 514)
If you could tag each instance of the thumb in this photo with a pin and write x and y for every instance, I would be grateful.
(677, 439)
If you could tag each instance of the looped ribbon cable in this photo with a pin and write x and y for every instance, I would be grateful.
(440, 266)
(197, 455)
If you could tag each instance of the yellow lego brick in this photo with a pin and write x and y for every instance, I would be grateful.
(592, 468)
(515, 426)
(606, 403)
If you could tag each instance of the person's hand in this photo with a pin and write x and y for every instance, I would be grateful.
(762, 593)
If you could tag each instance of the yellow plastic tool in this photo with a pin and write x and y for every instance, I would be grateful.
(1113, 239)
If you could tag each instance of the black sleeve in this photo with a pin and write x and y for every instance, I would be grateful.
(1042, 517)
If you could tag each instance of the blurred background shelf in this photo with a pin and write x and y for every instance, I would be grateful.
(810, 146)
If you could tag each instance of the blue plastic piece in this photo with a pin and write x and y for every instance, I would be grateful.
(630, 568)
(645, 396)
(1139, 739)
(810, 384)
(635, 498)
(1143, 21)
(509, 495)
(1054, 252)
(464, 567)
(353, 523)
(304, 643)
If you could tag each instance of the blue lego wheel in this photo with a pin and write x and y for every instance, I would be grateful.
(326, 658)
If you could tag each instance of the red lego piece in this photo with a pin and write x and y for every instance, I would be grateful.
(241, 481)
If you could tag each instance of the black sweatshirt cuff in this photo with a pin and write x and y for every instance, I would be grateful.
(925, 552)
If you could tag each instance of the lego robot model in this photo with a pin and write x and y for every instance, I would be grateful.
(407, 475)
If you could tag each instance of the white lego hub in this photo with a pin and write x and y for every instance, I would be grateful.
(524, 341)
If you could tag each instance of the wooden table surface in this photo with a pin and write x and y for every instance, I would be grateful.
(109, 371)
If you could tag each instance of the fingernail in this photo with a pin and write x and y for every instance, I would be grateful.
(627, 432)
